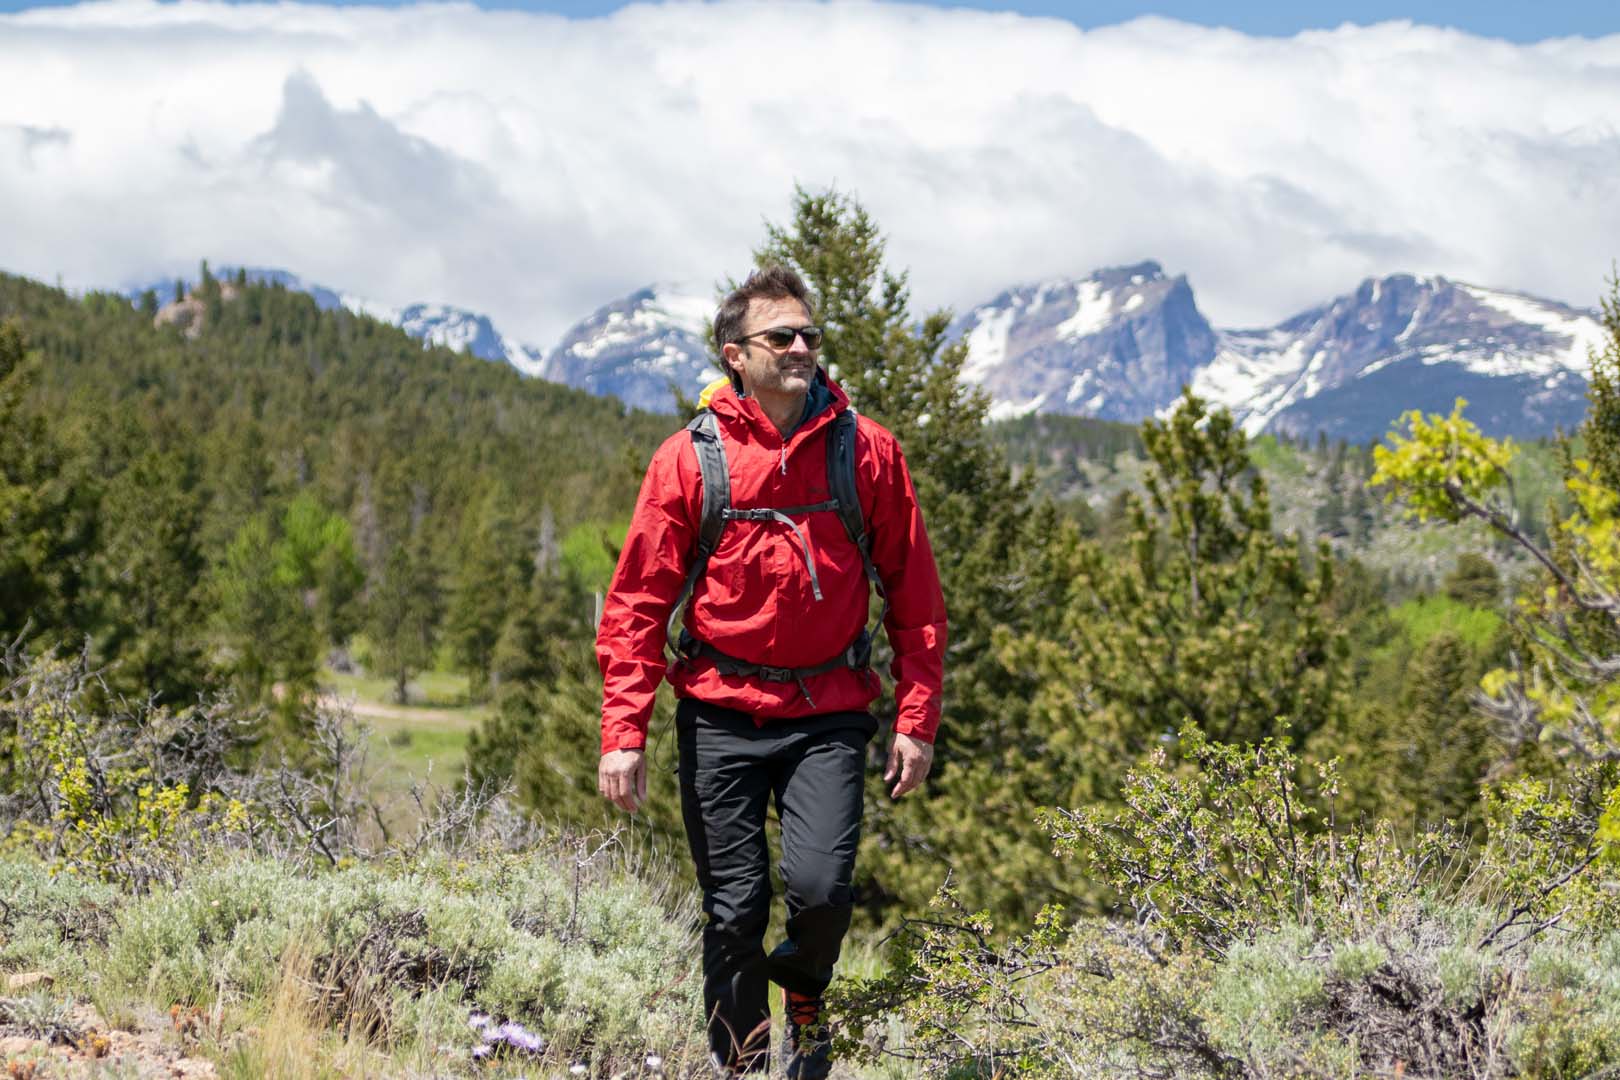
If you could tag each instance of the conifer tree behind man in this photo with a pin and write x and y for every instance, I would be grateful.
(771, 578)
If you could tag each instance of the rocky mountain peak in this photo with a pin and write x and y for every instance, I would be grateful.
(1111, 344)
(1351, 365)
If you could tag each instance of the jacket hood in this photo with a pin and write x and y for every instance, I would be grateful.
(825, 398)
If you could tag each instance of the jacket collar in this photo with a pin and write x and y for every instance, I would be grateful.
(825, 400)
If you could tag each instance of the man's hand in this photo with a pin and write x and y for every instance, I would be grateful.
(621, 778)
(909, 759)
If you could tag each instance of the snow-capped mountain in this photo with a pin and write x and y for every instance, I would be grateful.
(454, 328)
(1121, 343)
(1350, 366)
(1118, 345)
(640, 349)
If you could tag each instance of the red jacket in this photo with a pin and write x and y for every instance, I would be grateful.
(754, 602)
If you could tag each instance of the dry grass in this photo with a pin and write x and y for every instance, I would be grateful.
(293, 1038)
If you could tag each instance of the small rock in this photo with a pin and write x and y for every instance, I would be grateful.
(25, 979)
(13, 1045)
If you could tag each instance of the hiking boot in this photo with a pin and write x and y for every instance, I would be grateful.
(808, 1049)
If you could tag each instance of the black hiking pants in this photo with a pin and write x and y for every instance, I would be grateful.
(730, 770)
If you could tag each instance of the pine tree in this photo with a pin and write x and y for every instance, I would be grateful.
(489, 577)
(405, 610)
(243, 480)
(1330, 512)
(316, 556)
(1360, 512)
(269, 635)
(1474, 581)
(44, 510)
(149, 574)
(1445, 745)
(1601, 431)
(1208, 615)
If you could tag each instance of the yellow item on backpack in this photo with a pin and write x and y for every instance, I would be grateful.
(708, 391)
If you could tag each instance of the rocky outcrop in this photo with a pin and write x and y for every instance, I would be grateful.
(188, 313)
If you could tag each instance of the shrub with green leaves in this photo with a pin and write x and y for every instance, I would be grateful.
(1231, 842)
(127, 794)
(1268, 940)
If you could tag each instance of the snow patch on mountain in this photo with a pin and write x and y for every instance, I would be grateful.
(373, 309)
(1012, 410)
(987, 341)
(1583, 332)
(643, 349)
(1254, 371)
(1093, 312)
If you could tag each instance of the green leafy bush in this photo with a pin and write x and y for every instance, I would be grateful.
(1267, 940)
(1231, 843)
(128, 794)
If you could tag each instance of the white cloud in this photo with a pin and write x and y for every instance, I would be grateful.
(534, 166)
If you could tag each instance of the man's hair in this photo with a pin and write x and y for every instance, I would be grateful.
(767, 283)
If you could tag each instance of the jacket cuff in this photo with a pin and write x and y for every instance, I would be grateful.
(625, 740)
(916, 729)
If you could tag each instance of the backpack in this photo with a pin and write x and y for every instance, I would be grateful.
(718, 513)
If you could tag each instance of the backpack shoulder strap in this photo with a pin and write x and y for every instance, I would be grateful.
(711, 456)
(842, 487)
(841, 476)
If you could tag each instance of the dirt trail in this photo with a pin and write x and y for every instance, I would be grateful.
(412, 715)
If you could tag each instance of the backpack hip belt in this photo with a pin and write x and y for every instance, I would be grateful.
(857, 657)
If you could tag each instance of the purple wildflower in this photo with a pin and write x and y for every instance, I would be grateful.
(519, 1037)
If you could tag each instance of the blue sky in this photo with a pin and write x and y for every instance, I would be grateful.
(1521, 21)
(1518, 21)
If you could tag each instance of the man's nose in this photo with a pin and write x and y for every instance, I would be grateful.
(798, 348)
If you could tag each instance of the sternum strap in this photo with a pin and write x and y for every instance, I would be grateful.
(770, 514)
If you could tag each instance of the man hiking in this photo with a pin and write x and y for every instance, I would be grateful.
(764, 526)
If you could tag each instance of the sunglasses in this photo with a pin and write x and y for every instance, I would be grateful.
(781, 337)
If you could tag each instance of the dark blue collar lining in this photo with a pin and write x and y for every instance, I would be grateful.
(816, 400)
